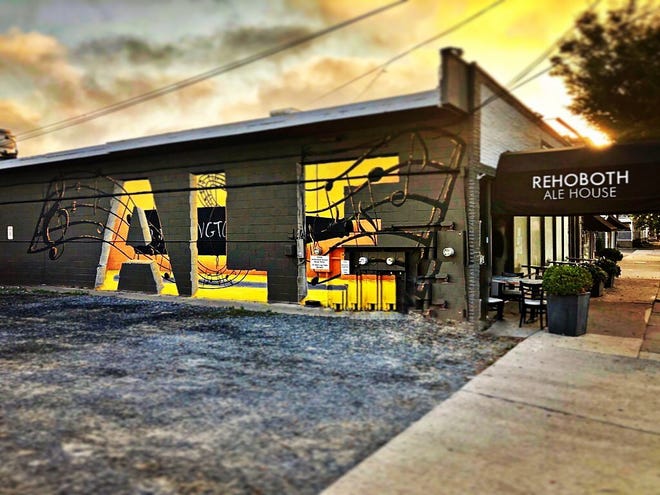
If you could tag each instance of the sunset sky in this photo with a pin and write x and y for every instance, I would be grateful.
(63, 58)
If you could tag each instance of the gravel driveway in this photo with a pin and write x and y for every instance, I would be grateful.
(104, 395)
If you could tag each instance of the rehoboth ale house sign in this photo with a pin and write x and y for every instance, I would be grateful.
(581, 185)
(574, 181)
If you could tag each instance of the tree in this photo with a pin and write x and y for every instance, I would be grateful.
(611, 68)
(647, 220)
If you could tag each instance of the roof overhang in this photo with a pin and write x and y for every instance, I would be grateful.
(619, 225)
(596, 223)
(423, 105)
(622, 178)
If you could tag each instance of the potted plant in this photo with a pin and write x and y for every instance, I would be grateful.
(611, 268)
(568, 289)
(611, 254)
(599, 277)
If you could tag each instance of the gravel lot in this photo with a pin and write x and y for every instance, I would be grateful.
(105, 395)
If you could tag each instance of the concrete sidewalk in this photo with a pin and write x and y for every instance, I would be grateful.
(556, 415)
(546, 418)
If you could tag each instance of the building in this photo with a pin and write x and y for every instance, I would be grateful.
(381, 205)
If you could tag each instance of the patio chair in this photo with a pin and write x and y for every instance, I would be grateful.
(496, 304)
(532, 302)
(540, 272)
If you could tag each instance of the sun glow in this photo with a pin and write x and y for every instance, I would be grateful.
(580, 129)
(598, 139)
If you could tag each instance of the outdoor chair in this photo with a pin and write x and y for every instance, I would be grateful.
(532, 302)
(496, 304)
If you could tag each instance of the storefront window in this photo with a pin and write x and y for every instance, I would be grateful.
(520, 243)
(535, 240)
(559, 239)
(565, 238)
(549, 254)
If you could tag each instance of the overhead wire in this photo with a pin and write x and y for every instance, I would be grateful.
(381, 67)
(222, 187)
(115, 107)
(515, 83)
(512, 85)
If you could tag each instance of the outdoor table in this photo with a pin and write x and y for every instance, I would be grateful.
(499, 282)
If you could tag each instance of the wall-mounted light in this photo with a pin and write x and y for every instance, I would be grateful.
(363, 260)
(389, 261)
(448, 252)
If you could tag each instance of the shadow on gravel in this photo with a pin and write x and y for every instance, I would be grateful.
(108, 396)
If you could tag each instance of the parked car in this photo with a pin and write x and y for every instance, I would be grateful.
(7, 145)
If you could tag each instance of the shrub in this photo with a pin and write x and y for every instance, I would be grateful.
(567, 280)
(596, 272)
(610, 253)
(610, 267)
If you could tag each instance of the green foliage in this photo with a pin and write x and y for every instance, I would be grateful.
(596, 272)
(567, 280)
(611, 254)
(611, 69)
(610, 267)
(647, 220)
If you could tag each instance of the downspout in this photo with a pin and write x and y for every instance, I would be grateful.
(300, 235)
(471, 181)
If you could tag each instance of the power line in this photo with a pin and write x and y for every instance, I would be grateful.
(503, 92)
(115, 107)
(382, 66)
(515, 84)
(546, 53)
(444, 171)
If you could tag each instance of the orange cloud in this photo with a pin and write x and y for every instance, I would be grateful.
(15, 116)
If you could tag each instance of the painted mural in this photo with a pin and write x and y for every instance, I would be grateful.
(355, 208)
(363, 219)
(73, 211)
(212, 271)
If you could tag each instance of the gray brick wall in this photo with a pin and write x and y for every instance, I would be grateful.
(77, 259)
(504, 127)
(261, 221)
(177, 212)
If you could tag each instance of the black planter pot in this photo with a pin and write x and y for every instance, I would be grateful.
(567, 315)
(597, 289)
(609, 283)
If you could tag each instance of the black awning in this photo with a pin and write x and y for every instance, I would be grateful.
(596, 223)
(618, 224)
(622, 178)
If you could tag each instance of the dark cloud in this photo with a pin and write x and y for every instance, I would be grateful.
(220, 47)
(129, 48)
(252, 38)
